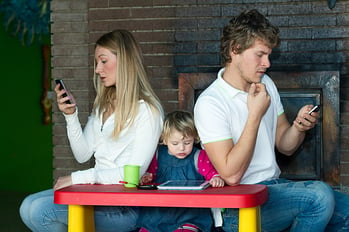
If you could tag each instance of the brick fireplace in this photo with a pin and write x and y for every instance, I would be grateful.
(182, 36)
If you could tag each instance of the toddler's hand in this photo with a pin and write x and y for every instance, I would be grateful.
(217, 181)
(146, 178)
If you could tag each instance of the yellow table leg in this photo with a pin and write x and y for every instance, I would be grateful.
(250, 219)
(81, 218)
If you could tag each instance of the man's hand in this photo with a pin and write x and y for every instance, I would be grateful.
(305, 121)
(258, 99)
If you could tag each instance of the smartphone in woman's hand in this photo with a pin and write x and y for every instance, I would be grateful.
(61, 87)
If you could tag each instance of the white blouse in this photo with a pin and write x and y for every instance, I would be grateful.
(136, 144)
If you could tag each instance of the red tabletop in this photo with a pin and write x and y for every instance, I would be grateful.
(240, 196)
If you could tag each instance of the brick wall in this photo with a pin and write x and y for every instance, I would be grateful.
(70, 62)
(183, 36)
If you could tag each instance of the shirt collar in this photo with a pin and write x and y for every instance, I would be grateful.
(227, 89)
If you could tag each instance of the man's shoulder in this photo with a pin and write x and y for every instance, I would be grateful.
(267, 79)
(211, 91)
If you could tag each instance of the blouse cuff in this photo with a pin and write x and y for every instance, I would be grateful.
(71, 118)
(83, 177)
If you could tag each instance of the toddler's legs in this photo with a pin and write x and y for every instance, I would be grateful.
(184, 228)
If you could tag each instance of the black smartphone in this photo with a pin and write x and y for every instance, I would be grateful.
(62, 86)
(314, 109)
(147, 187)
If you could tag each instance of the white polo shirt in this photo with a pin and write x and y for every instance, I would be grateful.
(221, 113)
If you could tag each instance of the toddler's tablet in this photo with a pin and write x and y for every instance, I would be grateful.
(184, 185)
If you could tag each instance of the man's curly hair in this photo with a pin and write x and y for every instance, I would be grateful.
(243, 30)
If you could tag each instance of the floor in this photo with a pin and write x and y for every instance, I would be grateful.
(10, 220)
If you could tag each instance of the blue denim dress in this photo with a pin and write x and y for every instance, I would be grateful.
(158, 219)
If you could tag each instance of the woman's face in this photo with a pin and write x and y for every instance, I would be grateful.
(105, 66)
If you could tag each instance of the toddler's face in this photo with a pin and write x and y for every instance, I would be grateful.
(178, 145)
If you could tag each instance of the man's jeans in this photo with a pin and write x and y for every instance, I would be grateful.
(303, 206)
(40, 214)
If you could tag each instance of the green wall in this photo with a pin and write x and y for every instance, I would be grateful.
(26, 143)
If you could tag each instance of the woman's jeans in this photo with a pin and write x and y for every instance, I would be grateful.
(303, 206)
(39, 213)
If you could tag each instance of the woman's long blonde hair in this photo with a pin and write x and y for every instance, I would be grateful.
(132, 83)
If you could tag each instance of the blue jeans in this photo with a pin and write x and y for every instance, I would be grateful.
(39, 213)
(303, 206)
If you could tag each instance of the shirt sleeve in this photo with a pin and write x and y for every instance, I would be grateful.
(205, 166)
(275, 95)
(207, 110)
(81, 141)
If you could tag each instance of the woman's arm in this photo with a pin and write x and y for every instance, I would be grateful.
(81, 141)
(78, 141)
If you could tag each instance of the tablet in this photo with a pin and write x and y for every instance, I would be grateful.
(184, 185)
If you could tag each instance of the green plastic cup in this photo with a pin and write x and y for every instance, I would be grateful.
(131, 175)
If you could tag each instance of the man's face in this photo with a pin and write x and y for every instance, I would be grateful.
(252, 63)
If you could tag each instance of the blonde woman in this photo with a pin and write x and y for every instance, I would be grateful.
(124, 128)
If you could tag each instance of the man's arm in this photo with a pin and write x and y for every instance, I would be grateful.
(290, 137)
(232, 160)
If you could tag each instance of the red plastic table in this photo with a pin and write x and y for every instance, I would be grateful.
(82, 198)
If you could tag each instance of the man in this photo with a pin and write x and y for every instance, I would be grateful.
(241, 120)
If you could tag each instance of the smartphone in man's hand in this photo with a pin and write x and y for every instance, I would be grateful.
(314, 109)
(61, 87)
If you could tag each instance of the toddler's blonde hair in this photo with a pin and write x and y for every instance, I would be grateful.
(181, 121)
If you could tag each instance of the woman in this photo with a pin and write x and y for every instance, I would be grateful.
(124, 128)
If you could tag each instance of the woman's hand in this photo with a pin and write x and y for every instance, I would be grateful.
(62, 182)
(62, 106)
(217, 181)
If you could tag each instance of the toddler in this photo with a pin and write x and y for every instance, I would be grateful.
(178, 159)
